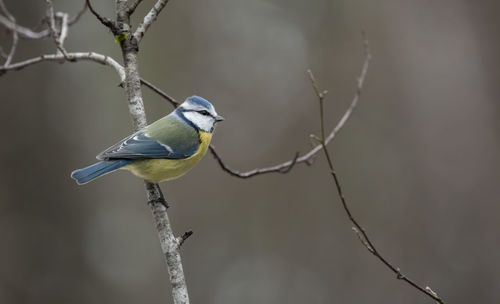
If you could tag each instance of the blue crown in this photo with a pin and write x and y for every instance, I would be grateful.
(200, 101)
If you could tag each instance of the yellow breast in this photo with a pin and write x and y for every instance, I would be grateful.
(157, 170)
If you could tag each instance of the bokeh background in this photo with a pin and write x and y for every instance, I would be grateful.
(419, 159)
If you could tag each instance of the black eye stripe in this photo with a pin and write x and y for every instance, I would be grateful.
(202, 112)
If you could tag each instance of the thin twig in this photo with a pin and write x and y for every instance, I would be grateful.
(27, 33)
(15, 37)
(58, 35)
(78, 15)
(10, 56)
(23, 32)
(51, 18)
(184, 237)
(309, 156)
(63, 34)
(90, 56)
(149, 19)
(133, 6)
(158, 91)
(3, 54)
(276, 169)
(104, 20)
(358, 229)
(80, 56)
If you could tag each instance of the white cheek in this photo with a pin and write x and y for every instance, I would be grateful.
(203, 122)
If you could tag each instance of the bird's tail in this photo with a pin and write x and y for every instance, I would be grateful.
(85, 175)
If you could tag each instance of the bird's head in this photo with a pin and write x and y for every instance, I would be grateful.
(200, 113)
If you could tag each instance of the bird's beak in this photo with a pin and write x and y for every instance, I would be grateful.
(219, 118)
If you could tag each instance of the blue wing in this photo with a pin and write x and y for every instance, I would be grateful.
(139, 146)
(166, 138)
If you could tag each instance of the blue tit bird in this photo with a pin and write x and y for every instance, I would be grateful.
(163, 150)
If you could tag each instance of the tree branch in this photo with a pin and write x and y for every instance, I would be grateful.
(27, 33)
(184, 237)
(358, 229)
(58, 35)
(274, 169)
(133, 6)
(81, 56)
(149, 19)
(64, 27)
(169, 243)
(155, 89)
(78, 15)
(15, 36)
(104, 20)
(307, 158)
(23, 32)
(3, 54)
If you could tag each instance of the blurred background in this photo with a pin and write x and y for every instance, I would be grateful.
(418, 160)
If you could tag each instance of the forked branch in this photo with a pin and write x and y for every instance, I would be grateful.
(133, 6)
(149, 19)
(27, 33)
(58, 34)
(79, 56)
(358, 229)
(104, 20)
(307, 158)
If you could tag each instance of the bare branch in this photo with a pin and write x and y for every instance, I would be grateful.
(90, 56)
(15, 36)
(169, 243)
(23, 32)
(58, 35)
(294, 161)
(358, 229)
(27, 33)
(149, 19)
(170, 99)
(104, 20)
(362, 239)
(276, 169)
(184, 237)
(51, 18)
(81, 56)
(78, 15)
(133, 6)
(309, 156)
(64, 27)
(10, 56)
(3, 54)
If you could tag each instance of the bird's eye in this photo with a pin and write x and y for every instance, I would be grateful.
(204, 112)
